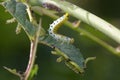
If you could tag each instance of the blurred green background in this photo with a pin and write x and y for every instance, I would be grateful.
(14, 49)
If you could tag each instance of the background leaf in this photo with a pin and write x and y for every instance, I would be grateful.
(14, 50)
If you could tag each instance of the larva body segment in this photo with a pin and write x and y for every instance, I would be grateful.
(54, 27)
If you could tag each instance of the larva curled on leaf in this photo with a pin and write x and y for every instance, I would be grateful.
(54, 27)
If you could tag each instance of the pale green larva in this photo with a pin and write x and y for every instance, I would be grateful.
(54, 27)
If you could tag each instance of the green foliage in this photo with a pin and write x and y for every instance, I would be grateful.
(13, 71)
(13, 48)
(70, 54)
(33, 72)
(18, 11)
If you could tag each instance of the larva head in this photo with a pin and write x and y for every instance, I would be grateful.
(66, 16)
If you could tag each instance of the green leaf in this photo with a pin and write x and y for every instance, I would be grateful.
(67, 52)
(13, 71)
(18, 11)
(33, 72)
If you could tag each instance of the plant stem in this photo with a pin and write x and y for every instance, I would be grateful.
(32, 56)
(79, 30)
(86, 17)
(31, 60)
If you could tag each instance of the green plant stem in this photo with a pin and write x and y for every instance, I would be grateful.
(32, 56)
(86, 17)
(79, 30)
(31, 59)
(94, 38)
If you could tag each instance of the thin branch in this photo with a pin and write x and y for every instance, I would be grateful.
(86, 17)
(79, 30)
(32, 57)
